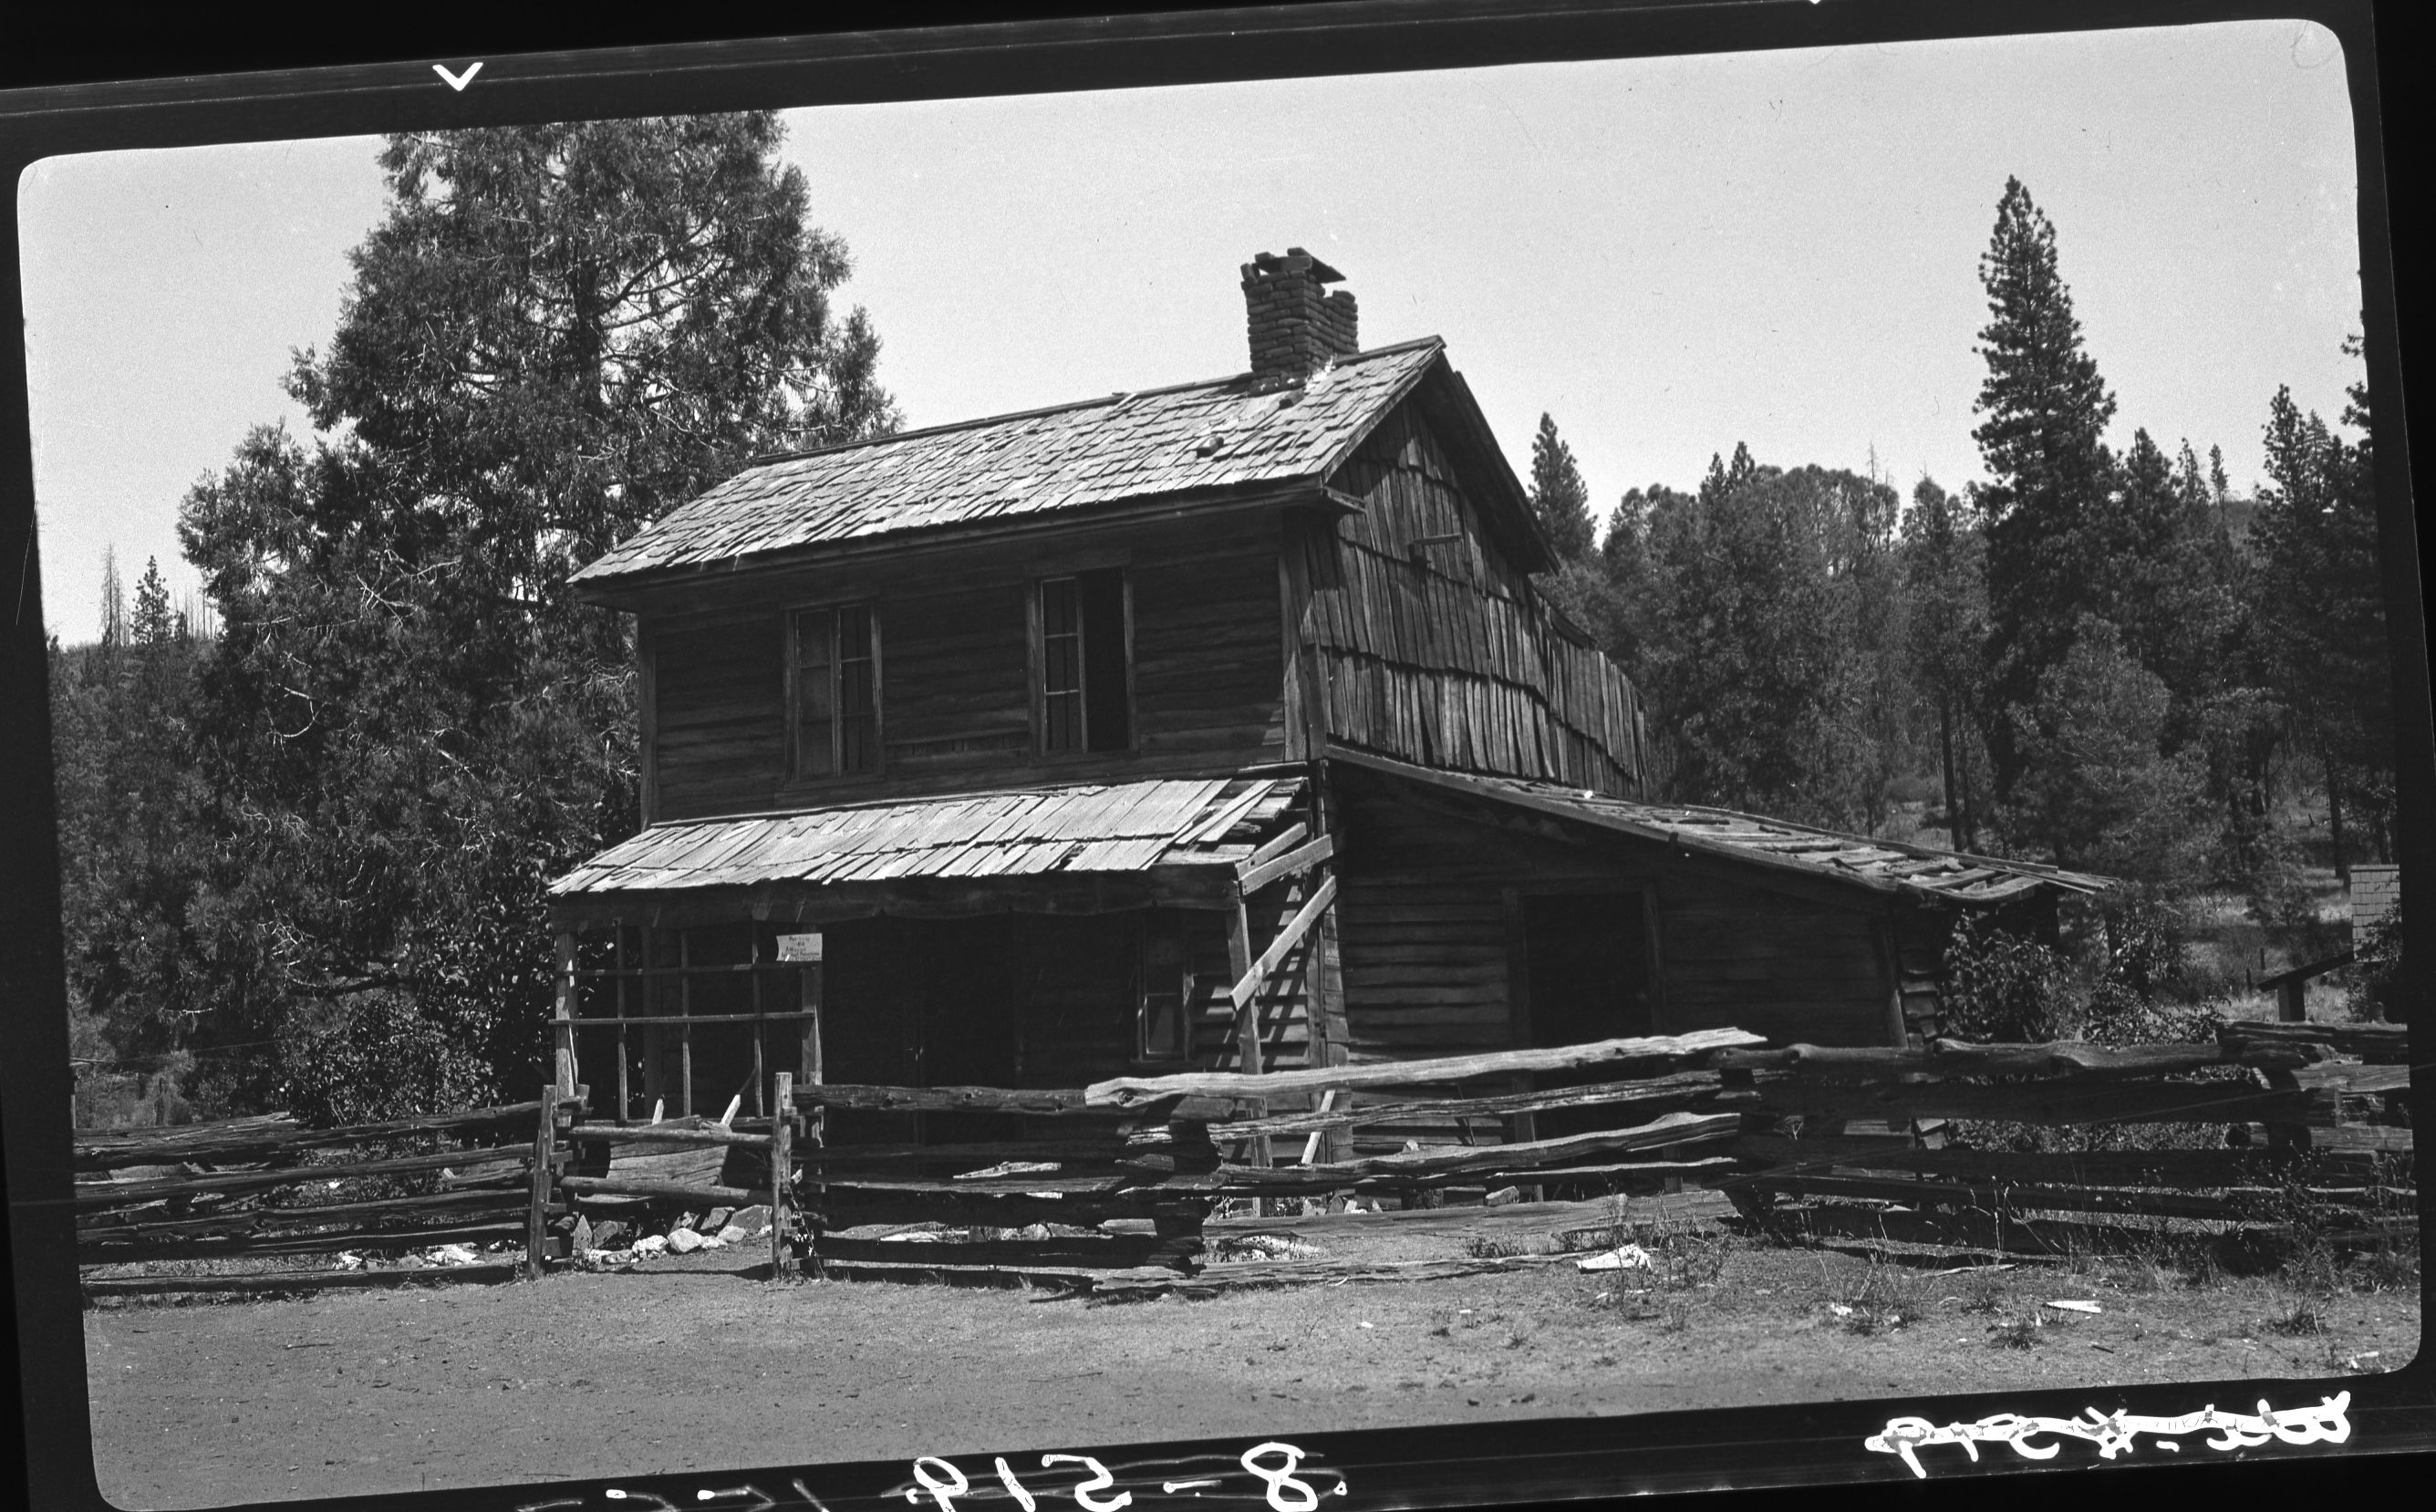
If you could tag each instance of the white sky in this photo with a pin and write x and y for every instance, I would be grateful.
(1670, 255)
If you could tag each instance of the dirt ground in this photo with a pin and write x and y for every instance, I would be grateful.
(699, 1366)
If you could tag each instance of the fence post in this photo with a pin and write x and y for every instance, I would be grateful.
(563, 1017)
(544, 1153)
(2288, 1136)
(782, 1127)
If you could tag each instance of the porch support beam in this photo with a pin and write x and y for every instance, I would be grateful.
(1248, 986)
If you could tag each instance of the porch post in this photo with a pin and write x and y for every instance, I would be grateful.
(563, 1019)
(815, 1123)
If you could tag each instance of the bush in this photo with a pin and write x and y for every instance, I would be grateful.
(2000, 986)
(383, 1054)
(2118, 1016)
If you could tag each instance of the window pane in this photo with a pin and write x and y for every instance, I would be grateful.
(854, 633)
(814, 694)
(1166, 986)
(837, 692)
(854, 690)
(1064, 666)
(1163, 1027)
(858, 743)
(1061, 667)
(1057, 606)
(1064, 713)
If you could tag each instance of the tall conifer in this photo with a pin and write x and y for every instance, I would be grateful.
(1558, 496)
(2044, 413)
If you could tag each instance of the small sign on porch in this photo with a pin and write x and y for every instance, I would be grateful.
(799, 947)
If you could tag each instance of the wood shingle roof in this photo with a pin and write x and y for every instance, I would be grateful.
(1100, 828)
(1225, 434)
(1880, 865)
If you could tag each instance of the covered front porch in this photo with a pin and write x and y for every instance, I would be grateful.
(1041, 938)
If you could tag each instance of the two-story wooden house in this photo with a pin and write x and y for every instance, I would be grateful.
(1209, 725)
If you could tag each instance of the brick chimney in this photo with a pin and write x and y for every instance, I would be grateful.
(1295, 326)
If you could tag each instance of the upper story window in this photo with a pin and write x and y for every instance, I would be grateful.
(1084, 669)
(833, 690)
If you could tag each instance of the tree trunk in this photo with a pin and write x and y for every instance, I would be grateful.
(1954, 827)
(1968, 840)
(2335, 820)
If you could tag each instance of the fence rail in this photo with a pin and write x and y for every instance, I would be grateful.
(1121, 1177)
(2323, 1139)
(249, 1188)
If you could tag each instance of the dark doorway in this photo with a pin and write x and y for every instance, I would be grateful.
(917, 1002)
(1586, 969)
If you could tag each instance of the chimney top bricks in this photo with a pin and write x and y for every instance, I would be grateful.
(1295, 326)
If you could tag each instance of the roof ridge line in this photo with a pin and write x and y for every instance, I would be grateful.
(1117, 399)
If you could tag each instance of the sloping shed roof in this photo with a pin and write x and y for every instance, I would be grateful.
(1878, 865)
(1225, 433)
(1116, 827)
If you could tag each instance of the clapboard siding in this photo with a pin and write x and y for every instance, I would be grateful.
(1208, 670)
(953, 668)
(720, 728)
(956, 674)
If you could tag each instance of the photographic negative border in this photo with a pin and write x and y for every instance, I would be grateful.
(1754, 1447)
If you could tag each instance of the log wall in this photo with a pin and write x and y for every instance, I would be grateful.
(1431, 958)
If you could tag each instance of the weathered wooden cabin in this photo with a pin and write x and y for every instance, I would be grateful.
(1216, 725)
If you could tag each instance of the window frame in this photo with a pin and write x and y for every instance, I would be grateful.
(1147, 930)
(1035, 609)
(797, 777)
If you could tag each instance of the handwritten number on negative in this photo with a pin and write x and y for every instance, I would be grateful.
(1280, 1480)
(1101, 1480)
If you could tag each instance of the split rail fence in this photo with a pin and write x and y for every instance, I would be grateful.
(1121, 1177)
(2273, 1127)
(266, 1187)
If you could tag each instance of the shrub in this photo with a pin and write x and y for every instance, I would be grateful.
(2000, 986)
(382, 1054)
(2116, 1015)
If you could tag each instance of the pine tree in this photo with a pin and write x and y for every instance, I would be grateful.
(2046, 410)
(1748, 635)
(153, 627)
(2319, 602)
(1559, 498)
(2096, 791)
(1944, 577)
(556, 334)
(134, 846)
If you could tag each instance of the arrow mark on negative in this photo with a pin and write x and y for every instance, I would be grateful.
(456, 81)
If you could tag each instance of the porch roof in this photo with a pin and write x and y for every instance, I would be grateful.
(1100, 829)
